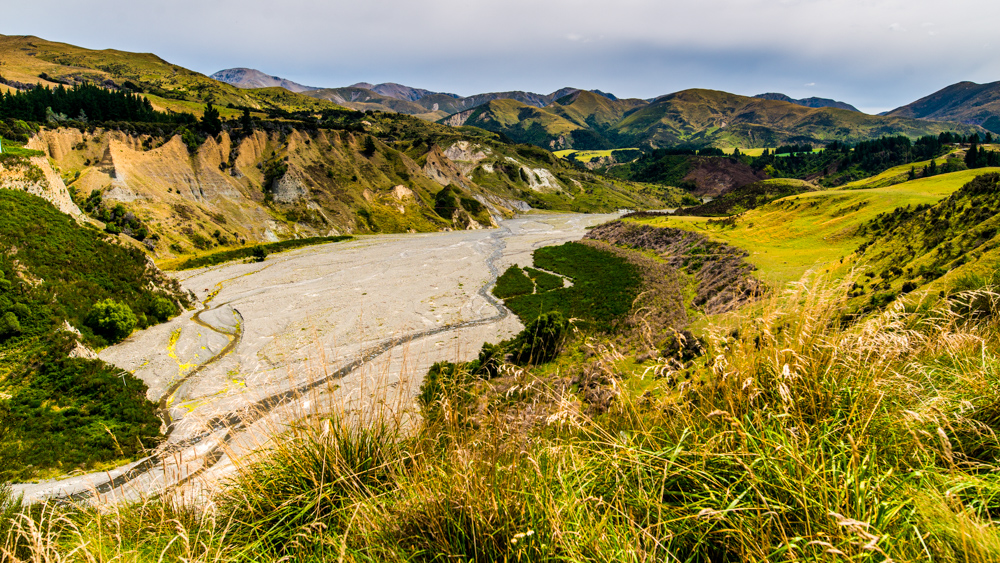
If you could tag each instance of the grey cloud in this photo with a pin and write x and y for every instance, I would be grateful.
(872, 53)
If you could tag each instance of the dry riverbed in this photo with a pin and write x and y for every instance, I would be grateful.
(331, 327)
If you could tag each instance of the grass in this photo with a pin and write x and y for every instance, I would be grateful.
(790, 236)
(896, 175)
(248, 251)
(808, 441)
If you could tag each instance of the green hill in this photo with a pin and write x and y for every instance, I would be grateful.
(747, 197)
(29, 60)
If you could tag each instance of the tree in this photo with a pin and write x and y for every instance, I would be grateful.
(972, 155)
(9, 325)
(211, 124)
(163, 308)
(111, 319)
(369, 146)
(913, 173)
(989, 138)
(246, 122)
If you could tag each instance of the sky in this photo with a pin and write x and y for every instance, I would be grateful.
(874, 54)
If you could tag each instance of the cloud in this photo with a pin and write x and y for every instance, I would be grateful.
(809, 84)
(639, 48)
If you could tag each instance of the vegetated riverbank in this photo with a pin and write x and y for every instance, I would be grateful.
(807, 439)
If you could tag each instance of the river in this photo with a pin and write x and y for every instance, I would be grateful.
(340, 326)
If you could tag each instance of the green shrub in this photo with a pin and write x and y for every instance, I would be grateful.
(541, 340)
(544, 281)
(163, 309)
(604, 286)
(112, 319)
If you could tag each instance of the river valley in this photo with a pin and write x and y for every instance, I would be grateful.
(342, 326)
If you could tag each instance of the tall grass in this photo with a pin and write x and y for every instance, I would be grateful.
(813, 439)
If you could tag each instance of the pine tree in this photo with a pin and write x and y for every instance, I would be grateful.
(211, 124)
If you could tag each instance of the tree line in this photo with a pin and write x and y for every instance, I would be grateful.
(83, 103)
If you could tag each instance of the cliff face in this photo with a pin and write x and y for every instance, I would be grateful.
(260, 187)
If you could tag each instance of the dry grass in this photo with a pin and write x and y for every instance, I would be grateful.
(812, 441)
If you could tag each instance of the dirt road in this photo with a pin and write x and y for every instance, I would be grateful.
(341, 324)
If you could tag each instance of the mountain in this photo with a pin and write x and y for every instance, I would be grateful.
(431, 105)
(691, 117)
(252, 78)
(965, 102)
(807, 102)
(364, 99)
(579, 119)
(399, 91)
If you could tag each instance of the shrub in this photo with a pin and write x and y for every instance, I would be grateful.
(541, 340)
(163, 308)
(112, 319)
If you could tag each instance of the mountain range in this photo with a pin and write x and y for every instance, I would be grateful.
(807, 102)
(581, 119)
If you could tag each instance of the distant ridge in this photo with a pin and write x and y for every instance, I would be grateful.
(251, 78)
(399, 91)
(808, 102)
(964, 102)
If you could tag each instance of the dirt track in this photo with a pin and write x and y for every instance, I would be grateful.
(340, 324)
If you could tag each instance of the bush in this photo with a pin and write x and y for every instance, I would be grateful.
(113, 320)
(258, 254)
(163, 308)
(541, 340)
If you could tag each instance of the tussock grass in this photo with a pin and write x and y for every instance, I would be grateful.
(807, 441)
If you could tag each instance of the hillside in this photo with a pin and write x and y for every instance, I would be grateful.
(249, 78)
(60, 407)
(965, 102)
(807, 102)
(276, 182)
(30, 60)
(581, 120)
(790, 236)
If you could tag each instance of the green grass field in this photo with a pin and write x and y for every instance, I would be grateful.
(894, 175)
(792, 235)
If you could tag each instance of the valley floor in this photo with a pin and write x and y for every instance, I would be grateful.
(335, 326)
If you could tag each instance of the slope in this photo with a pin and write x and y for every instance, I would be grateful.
(60, 407)
(790, 236)
(29, 60)
(964, 102)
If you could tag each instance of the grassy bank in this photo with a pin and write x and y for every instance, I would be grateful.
(808, 442)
